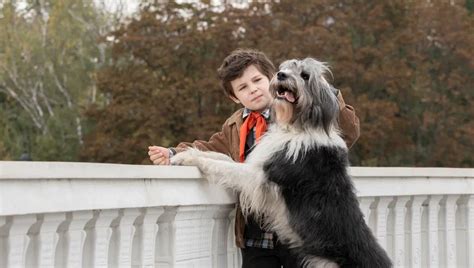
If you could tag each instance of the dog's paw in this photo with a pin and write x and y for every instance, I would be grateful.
(186, 158)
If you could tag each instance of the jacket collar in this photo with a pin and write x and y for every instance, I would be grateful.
(236, 118)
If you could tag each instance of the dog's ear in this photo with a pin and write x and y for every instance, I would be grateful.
(326, 107)
(329, 104)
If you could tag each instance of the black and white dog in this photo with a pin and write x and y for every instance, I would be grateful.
(297, 175)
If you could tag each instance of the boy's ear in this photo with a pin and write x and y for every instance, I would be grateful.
(234, 99)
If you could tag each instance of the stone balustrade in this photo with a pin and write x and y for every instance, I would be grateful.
(55, 214)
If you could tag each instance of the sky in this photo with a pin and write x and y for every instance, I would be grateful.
(128, 7)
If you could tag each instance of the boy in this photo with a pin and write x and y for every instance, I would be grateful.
(245, 77)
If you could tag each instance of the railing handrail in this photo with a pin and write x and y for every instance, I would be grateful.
(42, 187)
(84, 170)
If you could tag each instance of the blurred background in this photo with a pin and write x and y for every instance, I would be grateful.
(99, 81)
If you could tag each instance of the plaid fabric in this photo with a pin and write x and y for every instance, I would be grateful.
(265, 242)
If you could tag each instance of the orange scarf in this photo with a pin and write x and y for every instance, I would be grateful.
(254, 118)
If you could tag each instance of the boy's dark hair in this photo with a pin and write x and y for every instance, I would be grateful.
(234, 65)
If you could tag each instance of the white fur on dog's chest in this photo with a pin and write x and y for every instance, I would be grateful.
(296, 142)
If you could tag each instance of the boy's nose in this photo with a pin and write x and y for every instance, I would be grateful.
(253, 89)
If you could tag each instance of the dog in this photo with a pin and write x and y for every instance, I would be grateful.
(296, 176)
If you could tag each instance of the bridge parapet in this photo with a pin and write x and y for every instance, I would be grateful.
(56, 214)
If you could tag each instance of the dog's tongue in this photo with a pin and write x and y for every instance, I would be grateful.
(289, 96)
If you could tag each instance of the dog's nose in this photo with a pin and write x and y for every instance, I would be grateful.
(281, 76)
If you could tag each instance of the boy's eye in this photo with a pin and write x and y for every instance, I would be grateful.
(304, 75)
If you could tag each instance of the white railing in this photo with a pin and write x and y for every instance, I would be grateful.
(56, 214)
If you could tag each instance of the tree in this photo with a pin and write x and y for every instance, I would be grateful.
(162, 84)
(48, 53)
(397, 62)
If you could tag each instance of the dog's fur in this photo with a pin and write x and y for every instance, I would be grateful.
(297, 175)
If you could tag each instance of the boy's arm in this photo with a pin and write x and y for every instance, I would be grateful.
(348, 122)
(219, 142)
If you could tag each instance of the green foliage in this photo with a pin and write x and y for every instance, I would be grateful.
(470, 5)
(48, 55)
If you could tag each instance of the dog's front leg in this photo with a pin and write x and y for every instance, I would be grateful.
(247, 179)
(211, 155)
(237, 176)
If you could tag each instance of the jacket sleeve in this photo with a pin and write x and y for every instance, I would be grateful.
(348, 122)
(219, 142)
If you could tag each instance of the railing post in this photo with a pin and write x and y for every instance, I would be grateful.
(126, 232)
(18, 240)
(77, 237)
(48, 238)
(166, 248)
(470, 230)
(103, 232)
(399, 232)
(219, 240)
(433, 229)
(3, 241)
(233, 253)
(416, 213)
(382, 218)
(364, 204)
(147, 240)
(450, 228)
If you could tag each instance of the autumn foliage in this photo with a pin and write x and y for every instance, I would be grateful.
(406, 66)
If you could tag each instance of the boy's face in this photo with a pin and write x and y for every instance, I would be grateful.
(252, 90)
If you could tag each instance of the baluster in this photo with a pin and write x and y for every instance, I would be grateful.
(148, 236)
(3, 242)
(18, 240)
(450, 225)
(470, 230)
(399, 235)
(125, 240)
(103, 232)
(77, 237)
(165, 256)
(433, 212)
(416, 213)
(364, 204)
(48, 238)
(219, 241)
(233, 258)
(382, 217)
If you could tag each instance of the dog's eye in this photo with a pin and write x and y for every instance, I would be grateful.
(304, 75)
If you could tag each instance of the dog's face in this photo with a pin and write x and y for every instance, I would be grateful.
(303, 97)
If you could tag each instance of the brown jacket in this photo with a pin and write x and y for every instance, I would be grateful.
(227, 142)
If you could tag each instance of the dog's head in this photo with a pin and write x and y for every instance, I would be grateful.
(303, 97)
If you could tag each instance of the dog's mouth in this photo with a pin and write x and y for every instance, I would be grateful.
(285, 93)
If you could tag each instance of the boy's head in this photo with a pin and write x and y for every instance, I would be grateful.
(245, 76)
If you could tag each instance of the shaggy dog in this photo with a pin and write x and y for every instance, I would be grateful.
(297, 175)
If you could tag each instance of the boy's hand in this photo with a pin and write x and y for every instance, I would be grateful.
(159, 155)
